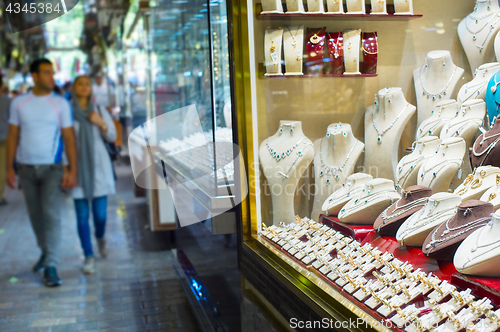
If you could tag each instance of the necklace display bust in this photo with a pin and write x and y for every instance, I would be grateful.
(409, 165)
(284, 158)
(375, 197)
(443, 111)
(435, 81)
(477, 88)
(485, 150)
(335, 158)
(351, 187)
(479, 253)
(477, 32)
(443, 241)
(439, 171)
(384, 124)
(414, 198)
(439, 208)
(466, 125)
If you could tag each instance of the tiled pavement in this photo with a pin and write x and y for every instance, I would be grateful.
(134, 289)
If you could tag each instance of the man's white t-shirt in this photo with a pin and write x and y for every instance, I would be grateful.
(40, 120)
(100, 94)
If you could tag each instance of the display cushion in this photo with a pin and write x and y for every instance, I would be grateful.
(450, 233)
(390, 226)
(370, 52)
(314, 51)
(488, 158)
(335, 46)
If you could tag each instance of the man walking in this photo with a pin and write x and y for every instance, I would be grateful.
(40, 121)
(4, 128)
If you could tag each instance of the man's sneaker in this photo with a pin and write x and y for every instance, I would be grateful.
(103, 251)
(88, 265)
(39, 265)
(50, 277)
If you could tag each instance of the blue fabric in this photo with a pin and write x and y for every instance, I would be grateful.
(493, 98)
(99, 211)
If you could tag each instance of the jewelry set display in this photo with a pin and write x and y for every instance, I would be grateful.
(403, 296)
(378, 7)
(442, 113)
(476, 89)
(477, 183)
(325, 52)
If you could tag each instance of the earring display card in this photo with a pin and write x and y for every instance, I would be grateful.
(272, 6)
(335, 6)
(272, 50)
(335, 64)
(379, 7)
(315, 43)
(403, 7)
(370, 52)
(294, 6)
(315, 6)
(356, 7)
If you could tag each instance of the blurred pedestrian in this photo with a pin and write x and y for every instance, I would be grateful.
(93, 127)
(4, 129)
(40, 122)
(102, 93)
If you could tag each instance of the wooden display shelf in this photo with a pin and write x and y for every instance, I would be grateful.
(348, 17)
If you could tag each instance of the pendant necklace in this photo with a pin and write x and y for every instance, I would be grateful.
(294, 41)
(272, 48)
(332, 171)
(279, 156)
(336, 45)
(490, 30)
(299, 155)
(381, 132)
(439, 94)
(315, 39)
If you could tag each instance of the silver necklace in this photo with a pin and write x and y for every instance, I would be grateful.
(402, 179)
(279, 156)
(382, 132)
(474, 94)
(368, 199)
(428, 219)
(486, 151)
(477, 19)
(487, 137)
(332, 171)
(299, 155)
(469, 259)
(444, 163)
(294, 42)
(403, 208)
(434, 124)
(465, 124)
(492, 28)
(439, 94)
(474, 33)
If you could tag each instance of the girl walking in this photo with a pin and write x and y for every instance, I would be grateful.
(93, 126)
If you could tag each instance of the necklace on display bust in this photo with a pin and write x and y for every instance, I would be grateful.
(491, 23)
(462, 229)
(491, 246)
(279, 156)
(439, 94)
(332, 171)
(294, 41)
(381, 132)
(487, 151)
(297, 157)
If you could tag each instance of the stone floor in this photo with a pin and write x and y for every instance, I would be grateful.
(134, 289)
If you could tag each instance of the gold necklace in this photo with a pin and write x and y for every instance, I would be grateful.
(315, 39)
(273, 46)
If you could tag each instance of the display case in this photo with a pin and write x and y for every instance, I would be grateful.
(310, 117)
(190, 143)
